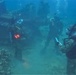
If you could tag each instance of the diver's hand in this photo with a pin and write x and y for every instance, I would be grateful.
(67, 47)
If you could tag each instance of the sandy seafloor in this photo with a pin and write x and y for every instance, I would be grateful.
(36, 62)
(51, 62)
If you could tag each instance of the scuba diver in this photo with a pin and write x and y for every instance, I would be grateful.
(17, 38)
(55, 30)
(69, 48)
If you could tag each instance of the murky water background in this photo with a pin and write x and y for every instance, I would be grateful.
(51, 61)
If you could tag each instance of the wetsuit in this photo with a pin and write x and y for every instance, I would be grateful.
(16, 42)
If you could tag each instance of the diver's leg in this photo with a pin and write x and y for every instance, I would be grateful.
(71, 67)
(46, 44)
(18, 53)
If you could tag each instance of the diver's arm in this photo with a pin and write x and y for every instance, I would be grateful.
(69, 43)
(67, 47)
(24, 35)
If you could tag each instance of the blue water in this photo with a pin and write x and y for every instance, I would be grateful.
(65, 7)
(52, 62)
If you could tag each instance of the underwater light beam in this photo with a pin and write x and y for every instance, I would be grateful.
(66, 5)
(59, 4)
(58, 7)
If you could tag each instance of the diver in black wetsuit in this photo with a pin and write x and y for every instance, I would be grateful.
(69, 48)
(17, 40)
(55, 29)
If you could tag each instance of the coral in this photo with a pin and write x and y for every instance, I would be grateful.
(5, 67)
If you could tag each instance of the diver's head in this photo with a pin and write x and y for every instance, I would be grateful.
(56, 17)
(73, 36)
(74, 27)
(72, 32)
